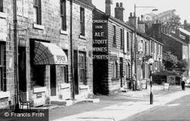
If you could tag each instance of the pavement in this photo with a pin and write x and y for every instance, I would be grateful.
(119, 106)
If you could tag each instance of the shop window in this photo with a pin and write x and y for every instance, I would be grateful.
(39, 75)
(64, 73)
(82, 21)
(2, 68)
(37, 12)
(63, 15)
(1, 5)
(82, 68)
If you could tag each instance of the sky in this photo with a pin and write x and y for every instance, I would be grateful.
(182, 7)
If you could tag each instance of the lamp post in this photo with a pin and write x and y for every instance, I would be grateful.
(150, 62)
(135, 36)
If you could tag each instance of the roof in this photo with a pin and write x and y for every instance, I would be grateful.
(166, 73)
(174, 38)
(184, 31)
(87, 3)
(114, 19)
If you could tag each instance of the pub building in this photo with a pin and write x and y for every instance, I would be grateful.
(111, 50)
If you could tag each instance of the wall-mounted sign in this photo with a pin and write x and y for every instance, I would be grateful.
(100, 42)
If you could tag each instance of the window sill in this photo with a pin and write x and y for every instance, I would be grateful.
(64, 32)
(65, 86)
(115, 79)
(82, 37)
(4, 94)
(3, 15)
(83, 87)
(37, 26)
(39, 89)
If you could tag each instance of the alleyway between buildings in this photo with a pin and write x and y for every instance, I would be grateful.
(117, 107)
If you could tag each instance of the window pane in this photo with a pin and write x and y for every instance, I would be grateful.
(1, 5)
(82, 21)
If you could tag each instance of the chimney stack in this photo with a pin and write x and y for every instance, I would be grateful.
(132, 19)
(119, 11)
(108, 7)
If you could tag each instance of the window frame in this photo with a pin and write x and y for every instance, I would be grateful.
(63, 15)
(82, 21)
(114, 36)
(37, 6)
(82, 66)
(1, 6)
(2, 68)
(128, 42)
(122, 39)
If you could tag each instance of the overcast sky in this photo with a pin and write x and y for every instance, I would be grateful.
(182, 7)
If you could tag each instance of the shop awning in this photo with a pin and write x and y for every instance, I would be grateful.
(48, 53)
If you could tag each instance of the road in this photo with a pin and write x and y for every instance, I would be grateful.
(178, 110)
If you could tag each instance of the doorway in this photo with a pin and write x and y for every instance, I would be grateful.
(53, 80)
(22, 71)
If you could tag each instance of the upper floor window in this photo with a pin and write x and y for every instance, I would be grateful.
(2, 68)
(152, 47)
(114, 36)
(127, 41)
(121, 38)
(1, 5)
(63, 14)
(82, 21)
(37, 12)
(145, 48)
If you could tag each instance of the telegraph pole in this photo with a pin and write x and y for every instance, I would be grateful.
(16, 78)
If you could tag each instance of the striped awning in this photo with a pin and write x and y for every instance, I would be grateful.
(48, 53)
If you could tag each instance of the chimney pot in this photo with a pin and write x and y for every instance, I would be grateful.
(131, 14)
(121, 5)
(117, 4)
(119, 11)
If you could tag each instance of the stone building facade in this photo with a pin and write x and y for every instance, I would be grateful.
(7, 87)
(44, 49)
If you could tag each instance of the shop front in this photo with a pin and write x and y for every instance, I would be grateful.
(49, 72)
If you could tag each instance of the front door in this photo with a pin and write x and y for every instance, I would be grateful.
(121, 71)
(22, 71)
(53, 80)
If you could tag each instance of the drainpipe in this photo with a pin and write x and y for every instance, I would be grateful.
(72, 82)
(16, 78)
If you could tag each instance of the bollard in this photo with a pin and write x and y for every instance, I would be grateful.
(151, 98)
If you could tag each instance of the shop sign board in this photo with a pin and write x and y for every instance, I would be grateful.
(100, 41)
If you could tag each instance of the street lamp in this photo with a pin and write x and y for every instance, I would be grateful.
(150, 62)
(135, 35)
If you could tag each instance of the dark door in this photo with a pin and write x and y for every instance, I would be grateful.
(53, 80)
(121, 71)
(22, 71)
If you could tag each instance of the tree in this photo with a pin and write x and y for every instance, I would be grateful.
(170, 61)
(172, 23)
(182, 66)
